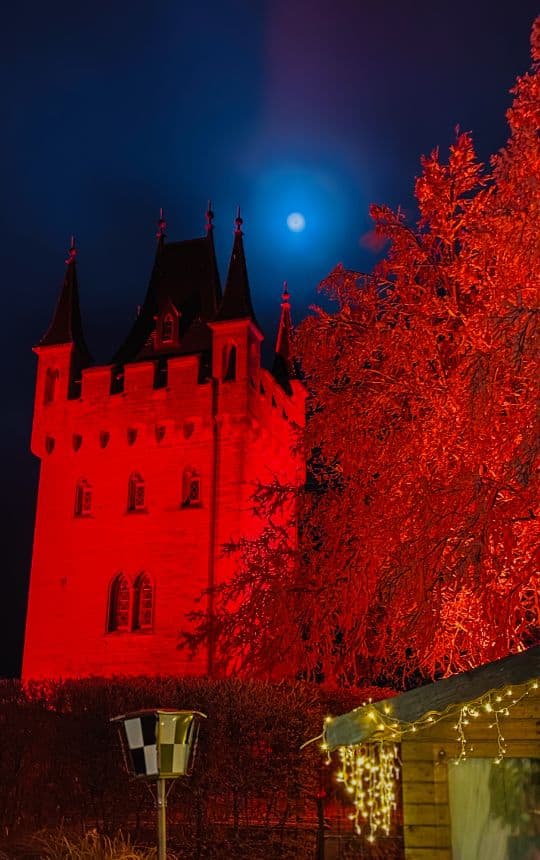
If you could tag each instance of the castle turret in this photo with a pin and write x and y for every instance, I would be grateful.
(236, 333)
(62, 356)
(66, 324)
(283, 367)
(236, 302)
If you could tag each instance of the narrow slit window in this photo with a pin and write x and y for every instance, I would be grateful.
(51, 382)
(229, 363)
(83, 499)
(136, 493)
(191, 489)
(195, 490)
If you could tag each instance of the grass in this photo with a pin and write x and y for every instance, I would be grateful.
(61, 845)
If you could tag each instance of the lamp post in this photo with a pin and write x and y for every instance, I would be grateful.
(159, 744)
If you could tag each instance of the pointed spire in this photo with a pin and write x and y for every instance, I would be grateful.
(283, 367)
(66, 324)
(162, 226)
(209, 226)
(72, 252)
(236, 302)
(238, 223)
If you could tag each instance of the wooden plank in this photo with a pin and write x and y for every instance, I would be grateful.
(419, 751)
(480, 729)
(426, 813)
(415, 771)
(428, 853)
(422, 771)
(414, 751)
(529, 708)
(426, 836)
(425, 792)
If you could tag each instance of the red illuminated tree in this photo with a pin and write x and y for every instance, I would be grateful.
(418, 549)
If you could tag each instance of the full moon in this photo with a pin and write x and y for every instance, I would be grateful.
(296, 222)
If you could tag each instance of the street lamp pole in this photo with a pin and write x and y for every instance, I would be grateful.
(159, 744)
(162, 819)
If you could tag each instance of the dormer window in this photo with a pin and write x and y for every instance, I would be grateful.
(167, 329)
(136, 493)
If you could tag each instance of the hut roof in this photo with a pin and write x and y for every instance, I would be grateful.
(439, 698)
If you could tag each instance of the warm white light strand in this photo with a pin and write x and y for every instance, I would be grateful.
(369, 773)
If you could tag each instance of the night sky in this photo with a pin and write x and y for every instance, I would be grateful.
(112, 109)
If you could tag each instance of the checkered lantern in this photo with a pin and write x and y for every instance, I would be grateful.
(159, 744)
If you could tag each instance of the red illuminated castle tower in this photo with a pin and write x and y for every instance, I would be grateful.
(148, 464)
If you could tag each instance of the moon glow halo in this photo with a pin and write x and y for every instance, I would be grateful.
(296, 222)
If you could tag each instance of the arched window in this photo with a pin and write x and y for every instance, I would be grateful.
(136, 493)
(229, 362)
(167, 329)
(83, 499)
(143, 594)
(191, 488)
(119, 605)
(51, 379)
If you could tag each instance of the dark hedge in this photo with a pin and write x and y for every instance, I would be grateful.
(253, 792)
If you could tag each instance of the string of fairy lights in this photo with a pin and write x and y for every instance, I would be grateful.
(370, 771)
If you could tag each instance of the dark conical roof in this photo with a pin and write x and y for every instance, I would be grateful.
(66, 324)
(236, 302)
(283, 368)
(185, 275)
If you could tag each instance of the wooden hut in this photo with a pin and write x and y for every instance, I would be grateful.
(470, 760)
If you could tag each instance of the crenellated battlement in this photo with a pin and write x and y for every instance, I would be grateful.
(135, 415)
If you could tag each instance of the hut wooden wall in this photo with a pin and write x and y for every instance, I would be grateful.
(427, 757)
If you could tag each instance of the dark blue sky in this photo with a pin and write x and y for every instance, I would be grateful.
(112, 109)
